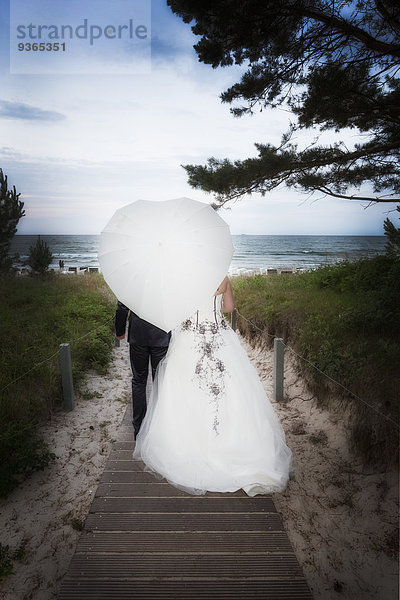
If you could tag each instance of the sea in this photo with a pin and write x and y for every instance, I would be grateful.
(255, 253)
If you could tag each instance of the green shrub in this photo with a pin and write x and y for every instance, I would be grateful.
(40, 257)
(25, 451)
(36, 316)
(7, 557)
(345, 319)
(94, 351)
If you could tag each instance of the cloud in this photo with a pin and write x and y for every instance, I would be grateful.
(26, 112)
(172, 48)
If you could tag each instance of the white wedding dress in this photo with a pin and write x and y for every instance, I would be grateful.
(209, 425)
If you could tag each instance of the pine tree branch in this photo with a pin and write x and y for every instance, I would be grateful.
(349, 29)
(389, 18)
(329, 192)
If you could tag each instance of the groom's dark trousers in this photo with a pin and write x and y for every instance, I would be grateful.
(146, 343)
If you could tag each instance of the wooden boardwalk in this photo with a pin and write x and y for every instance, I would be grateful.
(143, 538)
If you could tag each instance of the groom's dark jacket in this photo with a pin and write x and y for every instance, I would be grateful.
(140, 332)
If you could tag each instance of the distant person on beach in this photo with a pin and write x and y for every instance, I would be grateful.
(61, 264)
(209, 425)
(146, 342)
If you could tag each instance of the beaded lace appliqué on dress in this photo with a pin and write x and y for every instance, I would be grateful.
(210, 371)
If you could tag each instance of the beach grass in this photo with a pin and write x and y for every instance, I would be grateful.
(37, 315)
(345, 319)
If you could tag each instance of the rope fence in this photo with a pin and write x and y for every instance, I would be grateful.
(279, 368)
(64, 352)
(279, 345)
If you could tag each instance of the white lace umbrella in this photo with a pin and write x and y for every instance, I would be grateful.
(165, 259)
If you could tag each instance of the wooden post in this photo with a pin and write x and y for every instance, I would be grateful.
(279, 350)
(233, 319)
(66, 375)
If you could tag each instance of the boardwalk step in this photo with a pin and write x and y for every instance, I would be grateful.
(124, 436)
(183, 505)
(171, 566)
(183, 522)
(184, 541)
(155, 490)
(190, 590)
(124, 465)
(124, 445)
(137, 475)
(127, 477)
(123, 455)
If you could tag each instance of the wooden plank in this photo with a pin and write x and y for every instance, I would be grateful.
(127, 477)
(155, 490)
(124, 436)
(283, 589)
(124, 428)
(168, 566)
(122, 455)
(130, 477)
(138, 476)
(184, 541)
(124, 465)
(183, 505)
(184, 522)
(124, 445)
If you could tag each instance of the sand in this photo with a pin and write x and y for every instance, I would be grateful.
(340, 517)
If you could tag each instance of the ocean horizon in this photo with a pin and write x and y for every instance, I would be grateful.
(251, 252)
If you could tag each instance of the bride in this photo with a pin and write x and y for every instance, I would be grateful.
(209, 425)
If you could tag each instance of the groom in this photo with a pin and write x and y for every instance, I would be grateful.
(146, 341)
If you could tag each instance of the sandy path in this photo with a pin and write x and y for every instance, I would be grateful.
(340, 518)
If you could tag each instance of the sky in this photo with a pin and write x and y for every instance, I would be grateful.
(85, 133)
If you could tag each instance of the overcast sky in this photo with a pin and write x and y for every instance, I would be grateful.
(79, 146)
